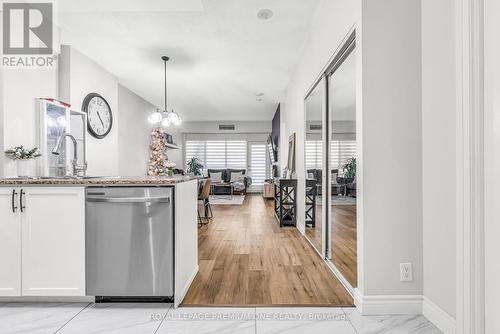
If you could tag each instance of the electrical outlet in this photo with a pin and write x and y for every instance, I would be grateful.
(405, 272)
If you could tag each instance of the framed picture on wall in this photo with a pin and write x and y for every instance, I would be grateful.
(168, 138)
(291, 154)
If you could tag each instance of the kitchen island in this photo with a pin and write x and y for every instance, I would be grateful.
(43, 233)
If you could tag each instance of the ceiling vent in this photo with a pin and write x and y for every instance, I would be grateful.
(227, 127)
(315, 127)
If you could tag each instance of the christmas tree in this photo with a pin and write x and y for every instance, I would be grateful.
(158, 160)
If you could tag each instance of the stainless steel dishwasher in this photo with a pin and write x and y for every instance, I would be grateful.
(129, 243)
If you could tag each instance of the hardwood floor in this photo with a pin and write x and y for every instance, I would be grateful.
(343, 240)
(247, 259)
(314, 234)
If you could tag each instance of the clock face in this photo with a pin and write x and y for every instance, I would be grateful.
(99, 116)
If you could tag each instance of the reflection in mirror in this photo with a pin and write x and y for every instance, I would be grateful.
(314, 104)
(342, 210)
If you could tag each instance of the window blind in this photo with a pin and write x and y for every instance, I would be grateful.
(236, 154)
(218, 154)
(195, 148)
(258, 163)
(314, 154)
(340, 151)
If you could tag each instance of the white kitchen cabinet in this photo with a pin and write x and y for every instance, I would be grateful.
(186, 238)
(42, 243)
(53, 241)
(10, 242)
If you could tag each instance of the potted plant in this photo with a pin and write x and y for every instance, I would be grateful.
(23, 157)
(349, 169)
(170, 168)
(195, 167)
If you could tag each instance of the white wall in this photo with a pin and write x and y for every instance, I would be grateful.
(390, 48)
(492, 164)
(20, 89)
(134, 135)
(85, 77)
(240, 127)
(439, 152)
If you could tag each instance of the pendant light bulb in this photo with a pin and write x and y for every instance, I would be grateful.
(165, 122)
(155, 118)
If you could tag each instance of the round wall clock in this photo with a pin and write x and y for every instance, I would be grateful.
(99, 116)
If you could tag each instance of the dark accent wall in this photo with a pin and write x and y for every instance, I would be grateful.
(275, 135)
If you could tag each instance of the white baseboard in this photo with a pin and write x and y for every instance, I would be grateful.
(178, 301)
(406, 304)
(439, 317)
(388, 304)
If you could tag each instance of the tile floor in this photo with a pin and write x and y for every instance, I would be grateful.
(45, 318)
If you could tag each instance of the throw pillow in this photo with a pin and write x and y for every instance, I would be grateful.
(236, 176)
(216, 177)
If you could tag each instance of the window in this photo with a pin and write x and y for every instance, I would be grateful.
(215, 154)
(258, 162)
(314, 154)
(340, 151)
(195, 148)
(236, 152)
(218, 154)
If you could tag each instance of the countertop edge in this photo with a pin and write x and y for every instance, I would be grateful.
(120, 181)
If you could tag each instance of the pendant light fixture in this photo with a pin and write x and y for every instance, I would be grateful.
(155, 118)
(169, 117)
(166, 117)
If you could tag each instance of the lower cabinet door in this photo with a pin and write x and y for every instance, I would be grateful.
(53, 241)
(10, 242)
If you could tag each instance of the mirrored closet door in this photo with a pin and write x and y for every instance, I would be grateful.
(315, 143)
(342, 238)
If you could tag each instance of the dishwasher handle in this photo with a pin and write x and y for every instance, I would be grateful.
(163, 199)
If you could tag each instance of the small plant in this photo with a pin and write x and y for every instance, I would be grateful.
(349, 168)
(194, 166)
(170, 167)
(21, 153)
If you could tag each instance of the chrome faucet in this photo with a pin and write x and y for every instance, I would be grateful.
(77, 169)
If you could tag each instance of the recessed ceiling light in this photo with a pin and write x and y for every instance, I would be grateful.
(265, 14)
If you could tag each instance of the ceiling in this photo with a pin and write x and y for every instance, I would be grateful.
(222, 55)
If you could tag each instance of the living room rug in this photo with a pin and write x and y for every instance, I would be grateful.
(227, 200)
(342, 200)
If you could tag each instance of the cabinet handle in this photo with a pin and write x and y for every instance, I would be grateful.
(21, 200)
(14, 194)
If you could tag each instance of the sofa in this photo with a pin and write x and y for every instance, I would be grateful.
(350, 183)
(240, 185)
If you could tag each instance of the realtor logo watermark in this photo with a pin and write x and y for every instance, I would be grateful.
(28, 34)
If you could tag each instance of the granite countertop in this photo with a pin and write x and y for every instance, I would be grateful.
(104, 180)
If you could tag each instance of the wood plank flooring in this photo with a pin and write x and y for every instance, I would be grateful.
(246, 259)
(343, 240)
